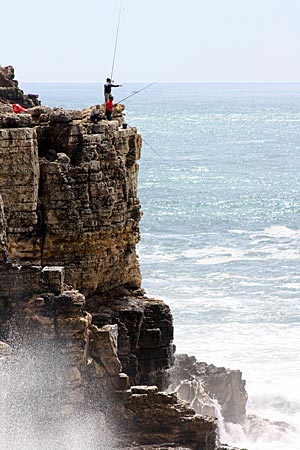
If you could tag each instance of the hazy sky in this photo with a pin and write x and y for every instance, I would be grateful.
(175, 40)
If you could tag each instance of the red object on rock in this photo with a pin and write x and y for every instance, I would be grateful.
(18, 108)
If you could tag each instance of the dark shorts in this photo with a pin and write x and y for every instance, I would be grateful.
(108, 114)
(95, 118)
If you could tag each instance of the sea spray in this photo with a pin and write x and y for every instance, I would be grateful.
(252, 430)
(193, 392)
(37, 409)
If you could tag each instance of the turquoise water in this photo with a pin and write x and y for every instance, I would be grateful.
(221, 229)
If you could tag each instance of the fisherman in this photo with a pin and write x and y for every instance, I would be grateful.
(18, 109)
(109, 108)
(107, 89)
(95, 114)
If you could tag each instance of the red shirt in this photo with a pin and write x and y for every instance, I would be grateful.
(109, 106)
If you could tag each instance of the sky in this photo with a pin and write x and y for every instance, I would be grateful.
(170, 40)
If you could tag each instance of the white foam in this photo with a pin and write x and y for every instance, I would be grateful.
(213, 251)
(282, 231)
(158, 257)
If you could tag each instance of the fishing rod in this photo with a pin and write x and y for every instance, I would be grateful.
(116, 41)
(140, 90)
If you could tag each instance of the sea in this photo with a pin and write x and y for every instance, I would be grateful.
(219, 184)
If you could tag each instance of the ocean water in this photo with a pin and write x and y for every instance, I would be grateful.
(219, 184)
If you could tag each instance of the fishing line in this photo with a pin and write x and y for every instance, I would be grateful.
(135, 93)
(140, 90)
(143, 140)
(154, 151)
(117, 35)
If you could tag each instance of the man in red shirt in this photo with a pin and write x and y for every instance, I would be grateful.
(109, 107)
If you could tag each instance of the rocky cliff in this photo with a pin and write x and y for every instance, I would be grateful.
(70, 278)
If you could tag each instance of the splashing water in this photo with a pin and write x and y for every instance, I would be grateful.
(41, 406)
(253, 434)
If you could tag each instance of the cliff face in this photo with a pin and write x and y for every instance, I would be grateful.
(69, 193)
(69, 274)
(69, 190)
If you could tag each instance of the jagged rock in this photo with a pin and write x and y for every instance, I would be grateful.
(224, 385)
(11, 93)
(53, 279)
(19, 185)
(59, 115)
(193, 392)
(37, 111)
(133, 315)
(104, 348)
(156, 419)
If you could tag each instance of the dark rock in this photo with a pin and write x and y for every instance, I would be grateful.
(11, 93)
(224, 385)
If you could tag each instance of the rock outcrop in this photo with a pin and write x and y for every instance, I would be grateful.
(70, 279)
(11, 93)
(202, 384)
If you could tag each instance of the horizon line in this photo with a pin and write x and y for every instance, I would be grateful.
(170, 82)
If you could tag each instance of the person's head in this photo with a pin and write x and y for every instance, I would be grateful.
(98, 106)
(108, 80)
(111, 97)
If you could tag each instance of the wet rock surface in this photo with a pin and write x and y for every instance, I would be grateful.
(224, 385)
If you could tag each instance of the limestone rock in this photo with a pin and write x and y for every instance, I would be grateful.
(160, 418)
(224, 385)
(104, 348)
(53, 279)
(12, 120)
(145, 361)
(5, 107)
(11, 93)
(59, 115)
